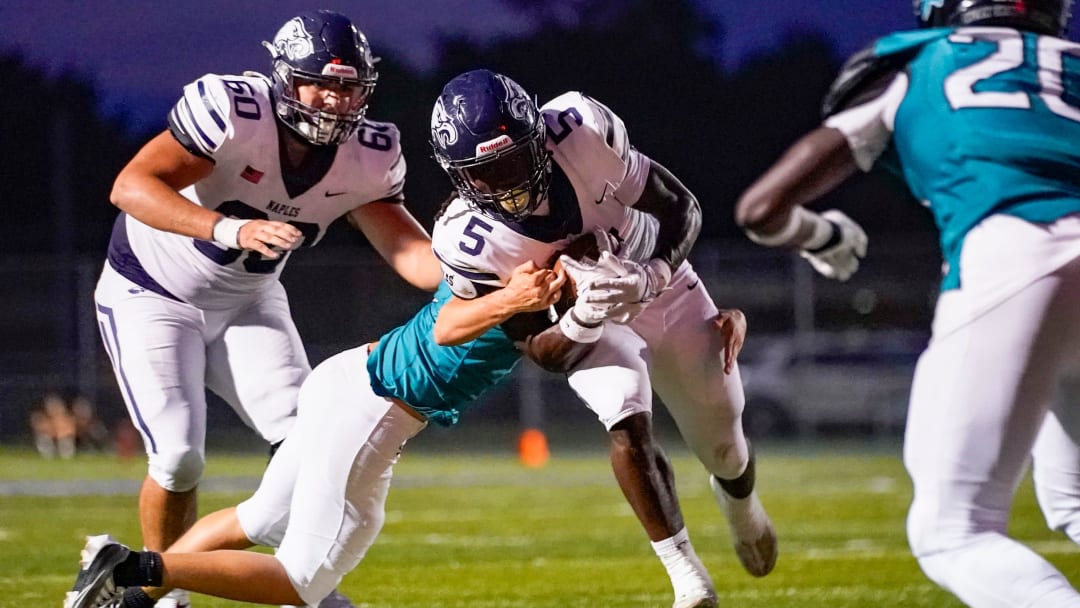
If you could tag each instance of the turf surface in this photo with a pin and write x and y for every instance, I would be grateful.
(483, 532)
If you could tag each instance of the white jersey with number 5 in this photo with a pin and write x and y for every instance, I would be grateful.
(230, 120)
(671, 346)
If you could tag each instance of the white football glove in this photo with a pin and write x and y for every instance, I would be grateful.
(631, 288)
(838, 257)
(584, 275)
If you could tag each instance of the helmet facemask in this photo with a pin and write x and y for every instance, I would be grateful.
(320, 126)
(506, 179)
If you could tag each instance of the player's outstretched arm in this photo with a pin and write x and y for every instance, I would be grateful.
(400, 240)
(772, 214)
(529, 289)
(148, 189)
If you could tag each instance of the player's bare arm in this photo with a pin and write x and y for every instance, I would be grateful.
(529, 289)
(400, 240)
(771, 211)
(811, 167)
(147, 188)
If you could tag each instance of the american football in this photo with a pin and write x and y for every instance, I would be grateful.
(584, 248)
(581, 248)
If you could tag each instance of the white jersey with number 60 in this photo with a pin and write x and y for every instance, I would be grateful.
(231, 121)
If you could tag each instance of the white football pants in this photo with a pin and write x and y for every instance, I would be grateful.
(322, 499)
(673, 348)
(980, 398)
(165, 354)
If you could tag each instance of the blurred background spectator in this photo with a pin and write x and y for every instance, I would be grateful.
(54, 427)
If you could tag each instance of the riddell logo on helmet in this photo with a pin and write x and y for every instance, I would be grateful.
(343, 71)
(490, 146)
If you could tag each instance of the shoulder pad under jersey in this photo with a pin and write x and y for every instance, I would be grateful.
(459, 241)
(578, 114)
(379, 146)
(591, 145)
(874, 67)
(203, 117)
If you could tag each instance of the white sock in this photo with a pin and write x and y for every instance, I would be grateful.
(681, 561)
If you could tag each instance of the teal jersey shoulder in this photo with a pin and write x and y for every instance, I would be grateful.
(990, 124)
(438, 381)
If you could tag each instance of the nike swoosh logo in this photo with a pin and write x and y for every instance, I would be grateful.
(330, 194)
(692, 285)
(603, 195)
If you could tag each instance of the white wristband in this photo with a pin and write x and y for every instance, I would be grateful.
(785, 237)
(823, 231)
(227, 231)
(578, 332)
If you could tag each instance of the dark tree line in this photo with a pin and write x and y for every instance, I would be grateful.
(645, 59)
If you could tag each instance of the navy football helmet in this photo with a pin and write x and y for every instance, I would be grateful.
(1043, 16)
(488, 136)
(322, 48)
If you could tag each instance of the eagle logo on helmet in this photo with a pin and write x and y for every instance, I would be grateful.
(294, 41)
(517, 102)
(442, 127)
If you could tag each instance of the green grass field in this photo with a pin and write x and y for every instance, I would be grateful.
(481, 531)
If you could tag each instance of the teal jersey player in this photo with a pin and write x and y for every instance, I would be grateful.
(978, 121)
(322, 499)
(438, 381)
(980, 114)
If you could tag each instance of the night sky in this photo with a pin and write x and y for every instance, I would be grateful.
(140, 54)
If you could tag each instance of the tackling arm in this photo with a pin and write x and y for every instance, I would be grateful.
(400, 240)
(529, 289)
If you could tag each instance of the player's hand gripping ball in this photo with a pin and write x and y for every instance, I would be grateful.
(579, 260)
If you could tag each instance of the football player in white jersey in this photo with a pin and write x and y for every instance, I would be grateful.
(250, 169)
(978, 111)
(530, 179)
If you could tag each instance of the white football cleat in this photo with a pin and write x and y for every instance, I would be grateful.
(751, 529)
(693, 586)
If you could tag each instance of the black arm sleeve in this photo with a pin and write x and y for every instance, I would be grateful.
(678, 211)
